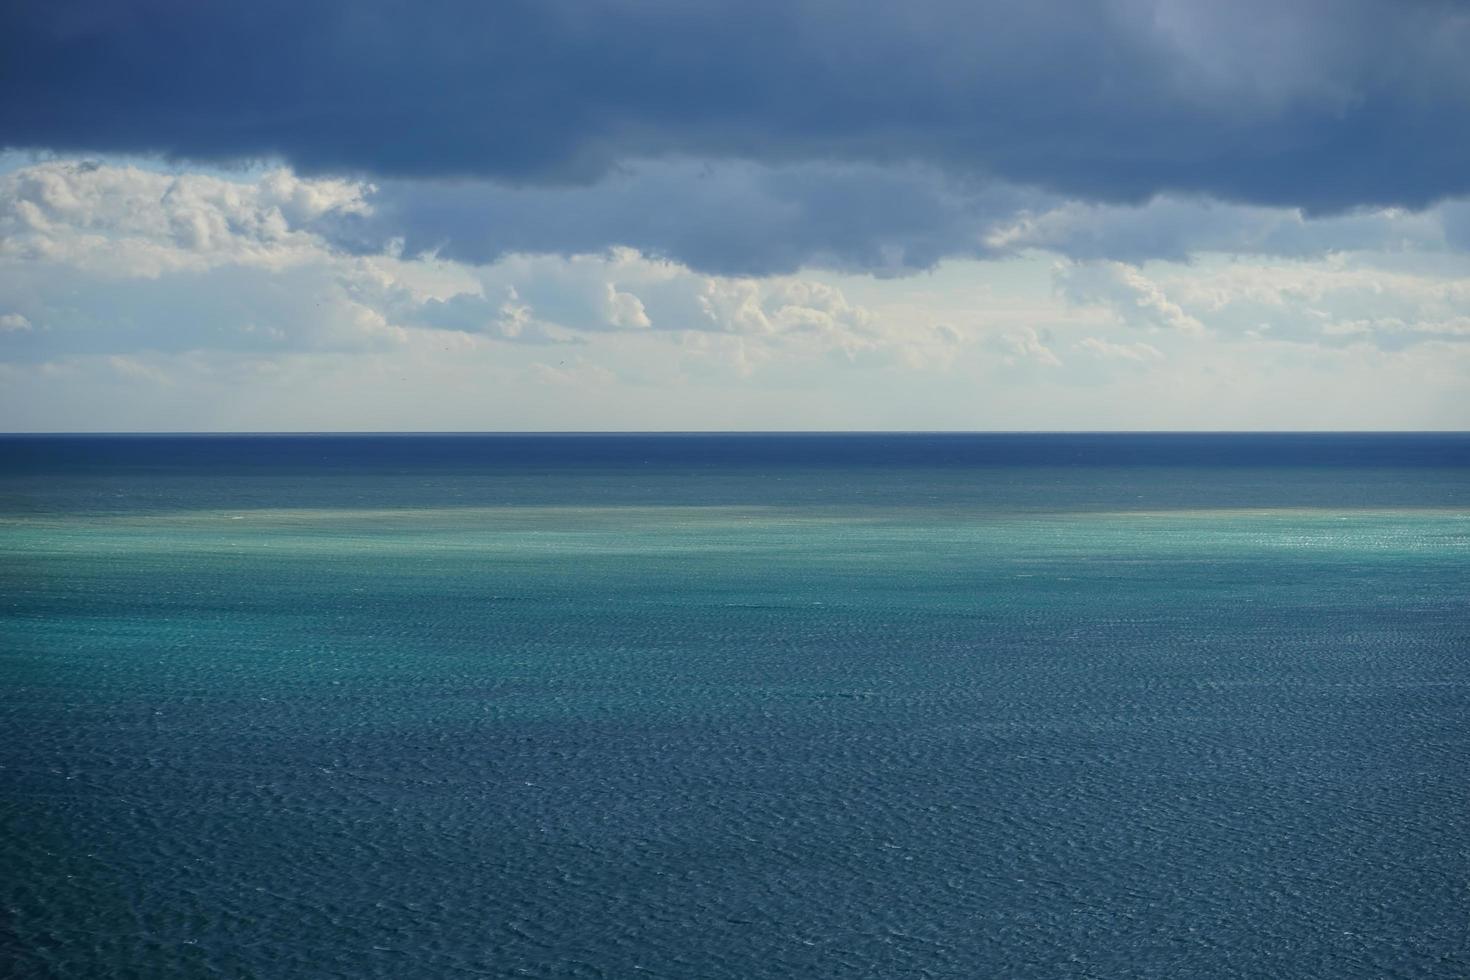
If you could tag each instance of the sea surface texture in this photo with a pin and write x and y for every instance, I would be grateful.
(735, 706)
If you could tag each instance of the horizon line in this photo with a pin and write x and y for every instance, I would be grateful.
(187, 433)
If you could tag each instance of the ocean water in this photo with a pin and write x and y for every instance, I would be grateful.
(735, 706)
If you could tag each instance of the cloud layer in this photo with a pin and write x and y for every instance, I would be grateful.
(770, 214)
(115, 259)
(1309, 103)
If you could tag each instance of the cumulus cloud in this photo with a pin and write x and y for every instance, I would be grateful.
(1126, 291)
(1310, 103)
(1176, 229)
(728, 220)
(119, 259)
(1389, 303)
(1026, 344)
(1333, 303)
(123, 284)
(625, 309)
(127, 221)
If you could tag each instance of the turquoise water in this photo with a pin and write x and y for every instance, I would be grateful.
(955, 707)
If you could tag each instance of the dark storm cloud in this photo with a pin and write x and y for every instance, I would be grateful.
(731, 219)
(746, 219)
(1324, 105)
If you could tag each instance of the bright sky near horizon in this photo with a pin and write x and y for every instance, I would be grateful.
(809, 214)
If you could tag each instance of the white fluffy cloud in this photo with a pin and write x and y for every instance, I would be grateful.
(129, 222)
(1125, 290)
(1176, 228)
(135, 298)
(1375, 299)
(113, 259)
(1026, 345)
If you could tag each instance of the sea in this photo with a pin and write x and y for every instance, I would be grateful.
(735, 706)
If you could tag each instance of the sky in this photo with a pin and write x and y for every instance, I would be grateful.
(441, 215)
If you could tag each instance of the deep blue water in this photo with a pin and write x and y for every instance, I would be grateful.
(735, 706)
